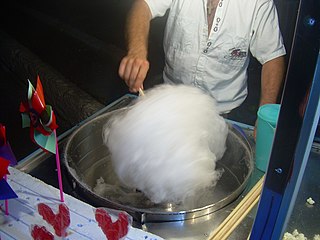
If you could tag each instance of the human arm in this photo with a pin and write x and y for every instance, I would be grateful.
(272, 76)
(134, 66)
(268, 48)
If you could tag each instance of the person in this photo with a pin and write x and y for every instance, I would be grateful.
(207, 44)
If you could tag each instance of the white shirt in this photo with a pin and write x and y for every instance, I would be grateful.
(218, 63)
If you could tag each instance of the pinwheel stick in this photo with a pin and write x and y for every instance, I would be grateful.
(42, 124)
(59, 168)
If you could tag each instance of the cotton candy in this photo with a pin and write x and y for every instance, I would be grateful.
(167, 143)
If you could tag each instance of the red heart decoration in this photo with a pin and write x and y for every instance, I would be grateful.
(59, 221)
(41, 233)
(113, 230)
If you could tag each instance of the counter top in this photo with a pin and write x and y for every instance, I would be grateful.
(23, 212)
(42, 166)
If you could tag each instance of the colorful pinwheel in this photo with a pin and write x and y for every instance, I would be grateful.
(42, 122)
(40, 118)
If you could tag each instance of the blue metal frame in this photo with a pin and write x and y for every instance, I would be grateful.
(296, 127)
(302, 153)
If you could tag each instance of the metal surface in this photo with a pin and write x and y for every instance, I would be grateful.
(87, 159)
(305, 217)
(42, 166)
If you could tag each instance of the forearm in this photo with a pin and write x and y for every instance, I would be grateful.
(137, 32)
(134, 66)
(272, 76)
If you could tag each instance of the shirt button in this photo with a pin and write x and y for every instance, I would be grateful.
(209, 44)
(205, 51)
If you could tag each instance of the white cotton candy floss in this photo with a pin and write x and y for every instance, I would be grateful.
(167, 143)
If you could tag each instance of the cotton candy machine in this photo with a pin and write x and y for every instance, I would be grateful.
(88, 164)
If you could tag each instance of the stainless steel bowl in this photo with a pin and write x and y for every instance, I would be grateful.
(87, 159)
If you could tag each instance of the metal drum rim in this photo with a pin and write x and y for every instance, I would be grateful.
(147, 215)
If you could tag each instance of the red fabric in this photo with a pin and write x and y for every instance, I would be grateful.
(3, 138)
(4, 163)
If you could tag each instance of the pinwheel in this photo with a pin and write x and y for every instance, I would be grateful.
(42, 122)
(40, 118)
(6, 158)
(5, 148)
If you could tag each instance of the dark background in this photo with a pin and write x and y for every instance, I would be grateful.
(75, 46)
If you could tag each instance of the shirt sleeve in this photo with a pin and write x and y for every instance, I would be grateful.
(266, 43)
(158, 7)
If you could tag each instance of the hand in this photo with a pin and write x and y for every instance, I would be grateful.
(133, 70)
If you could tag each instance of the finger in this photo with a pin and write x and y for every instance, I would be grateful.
(122, 67)
(125, 69)
(135, 68)
(141, 75)
(127, 72)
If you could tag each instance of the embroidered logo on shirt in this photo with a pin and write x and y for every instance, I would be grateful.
(236, 54)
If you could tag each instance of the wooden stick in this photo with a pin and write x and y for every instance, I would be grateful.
(238, 214)
(240, 219)
(248, 197)
(141, 93)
